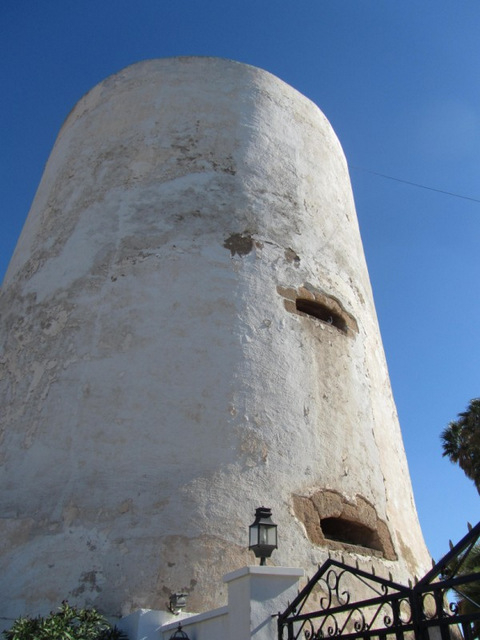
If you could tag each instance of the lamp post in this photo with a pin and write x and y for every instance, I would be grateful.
(263, 534)
(177, 602)
(179, 634)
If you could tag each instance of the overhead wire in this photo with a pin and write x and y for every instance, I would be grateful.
(414, 184)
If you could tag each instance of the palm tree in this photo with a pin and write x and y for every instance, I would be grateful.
(461, 441)
(468, 595)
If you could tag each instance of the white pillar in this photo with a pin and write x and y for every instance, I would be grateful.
(255, 595)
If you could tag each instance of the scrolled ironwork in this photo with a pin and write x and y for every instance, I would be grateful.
(453, 606)
(309, 633)
(405, 611)
(356, 618)
(429, 605)
(387, 608)
(331, 629)
(360, 626)
(332, 583)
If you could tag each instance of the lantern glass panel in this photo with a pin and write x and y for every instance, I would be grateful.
(268, 535)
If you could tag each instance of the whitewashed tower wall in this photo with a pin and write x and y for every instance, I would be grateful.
(163, 374)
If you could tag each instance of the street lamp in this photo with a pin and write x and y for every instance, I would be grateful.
(177, 602)
(263, 534)
(179, 634)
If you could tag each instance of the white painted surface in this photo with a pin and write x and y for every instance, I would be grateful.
(144, 624)
(255, 596)
(156, 389)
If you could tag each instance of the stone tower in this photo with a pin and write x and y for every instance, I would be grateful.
(188, 332)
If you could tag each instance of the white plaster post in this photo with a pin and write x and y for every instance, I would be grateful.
(144, 624)
(255, 595)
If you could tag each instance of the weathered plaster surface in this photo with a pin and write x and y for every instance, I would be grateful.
(156, 387)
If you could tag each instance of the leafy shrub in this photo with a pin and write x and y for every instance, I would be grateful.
(68, 623)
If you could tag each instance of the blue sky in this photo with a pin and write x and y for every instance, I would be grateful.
(400, 83)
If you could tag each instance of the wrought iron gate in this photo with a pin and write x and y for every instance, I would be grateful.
(324, 608)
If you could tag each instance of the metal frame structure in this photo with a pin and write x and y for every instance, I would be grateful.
(325, 608)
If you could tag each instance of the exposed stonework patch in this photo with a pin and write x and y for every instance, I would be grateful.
(332, 521)
(291, 256)
(309, 301)
(287, 292)
(240, 243)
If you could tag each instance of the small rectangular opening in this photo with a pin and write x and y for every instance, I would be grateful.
(322, 312)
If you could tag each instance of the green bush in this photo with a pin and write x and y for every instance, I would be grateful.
(68, 623)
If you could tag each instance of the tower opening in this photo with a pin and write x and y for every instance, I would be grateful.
(322, 312)
(333, 521)
(350, 532)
